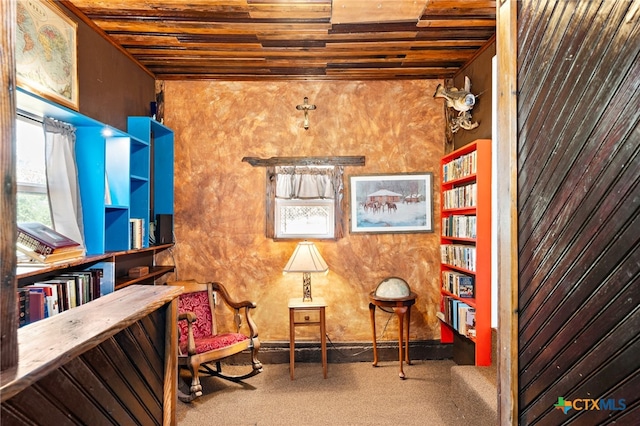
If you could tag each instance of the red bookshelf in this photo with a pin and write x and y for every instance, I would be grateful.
(466, 246)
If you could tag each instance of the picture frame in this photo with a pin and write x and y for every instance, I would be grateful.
(46, 52)
(392, 203)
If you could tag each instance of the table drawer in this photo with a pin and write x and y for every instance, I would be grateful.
(306, 315)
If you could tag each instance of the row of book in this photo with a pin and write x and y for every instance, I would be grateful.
(459, 315)
(459, 226)
(462, 166)
(46, 298)
(136, 233)
(461, 197)
(459, 255)
(457, 283)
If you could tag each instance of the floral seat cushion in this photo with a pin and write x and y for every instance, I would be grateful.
(211, 343)
(198, 303)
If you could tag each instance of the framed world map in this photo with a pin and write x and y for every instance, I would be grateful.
(46, 52)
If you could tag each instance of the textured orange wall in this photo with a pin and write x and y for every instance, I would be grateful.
(220, 201)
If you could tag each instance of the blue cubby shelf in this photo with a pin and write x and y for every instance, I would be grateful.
(116, 228)
(103, 173)
(160, 140)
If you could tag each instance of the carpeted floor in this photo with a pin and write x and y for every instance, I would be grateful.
(352, 394)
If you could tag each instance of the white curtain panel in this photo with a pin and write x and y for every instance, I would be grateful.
(62, 179)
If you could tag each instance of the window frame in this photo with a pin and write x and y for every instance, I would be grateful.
(297, 202)
(30, 188)
(338, 185)
(338, 201)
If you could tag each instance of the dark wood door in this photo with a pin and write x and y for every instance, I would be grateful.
(579, 211)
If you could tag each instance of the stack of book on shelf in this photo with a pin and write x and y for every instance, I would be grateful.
(461, 197)
(64, 291)
(44, 245)
(461, 316)
(459, 255)
(465, 165)
(459, 226)
(458, 284)
(136, 230)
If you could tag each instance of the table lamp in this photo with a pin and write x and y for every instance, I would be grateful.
(306, 259)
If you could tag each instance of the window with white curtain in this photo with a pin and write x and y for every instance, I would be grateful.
(305, 195)
(32, 195)
(304, 202)
(47, 188)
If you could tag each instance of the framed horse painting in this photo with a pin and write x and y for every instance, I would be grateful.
(393, 203)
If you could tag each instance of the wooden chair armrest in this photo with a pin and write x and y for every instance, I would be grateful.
(245, 305)
(229, 300)
(190, 317)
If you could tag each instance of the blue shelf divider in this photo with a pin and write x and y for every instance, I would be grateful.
(160, 140)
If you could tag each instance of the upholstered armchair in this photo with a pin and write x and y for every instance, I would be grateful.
(201, 342)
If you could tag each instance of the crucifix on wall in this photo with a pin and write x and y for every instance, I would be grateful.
(306, 107)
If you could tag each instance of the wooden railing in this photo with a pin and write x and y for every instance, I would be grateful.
(114, 359)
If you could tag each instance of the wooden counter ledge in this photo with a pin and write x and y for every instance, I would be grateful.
(48, 344)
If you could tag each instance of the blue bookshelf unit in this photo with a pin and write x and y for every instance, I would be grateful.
(117, 172)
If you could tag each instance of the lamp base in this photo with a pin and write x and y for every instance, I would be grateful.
(306, 287)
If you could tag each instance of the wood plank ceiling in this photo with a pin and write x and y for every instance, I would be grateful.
(295, 39)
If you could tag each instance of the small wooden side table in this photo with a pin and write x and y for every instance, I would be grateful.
(400, 306)
(306, 314)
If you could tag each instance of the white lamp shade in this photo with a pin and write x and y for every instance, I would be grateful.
(306, 258)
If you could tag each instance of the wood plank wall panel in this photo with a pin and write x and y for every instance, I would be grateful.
(479, 72)
(578, 209)
(118, 382)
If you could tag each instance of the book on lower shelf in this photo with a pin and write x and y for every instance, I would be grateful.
(458, 315)
(51, 296)
(106, 271)
(471, 323)
(22, 302)
(82, 288)
(36, 306)
(66, 291)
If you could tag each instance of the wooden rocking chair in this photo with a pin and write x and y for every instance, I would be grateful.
(201, 343)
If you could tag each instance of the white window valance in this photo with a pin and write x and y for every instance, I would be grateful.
(305, 182)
